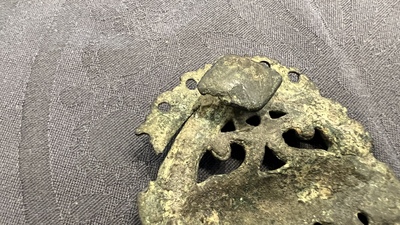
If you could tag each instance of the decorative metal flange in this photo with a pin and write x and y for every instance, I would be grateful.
(303, 160)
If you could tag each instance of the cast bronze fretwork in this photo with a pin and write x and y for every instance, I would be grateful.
(304, 161)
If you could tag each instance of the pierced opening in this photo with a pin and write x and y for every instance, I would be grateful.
(265, 63)
(254, 120)
(164, 107)
(237, 152)
(363, 218)
(293, 139)
(276, 114)
(209, 165)
(317, 223)
(271, 161)
(228, 127)
(191, 84)
(294, 77)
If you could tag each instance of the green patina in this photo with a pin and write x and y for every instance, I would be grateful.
(320, 165)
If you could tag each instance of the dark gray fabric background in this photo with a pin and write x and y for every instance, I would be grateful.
(77, 78)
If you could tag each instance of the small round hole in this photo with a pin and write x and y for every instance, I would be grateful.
(191, 84)
(265, 63)
(294, 77)
(164, 107)
(363, 218)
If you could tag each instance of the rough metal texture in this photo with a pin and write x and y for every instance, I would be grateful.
(304, 161)
(240, 81)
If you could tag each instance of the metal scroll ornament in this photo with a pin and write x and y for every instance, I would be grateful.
(303, 160)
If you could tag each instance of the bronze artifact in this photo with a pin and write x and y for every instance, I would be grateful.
(303, 160)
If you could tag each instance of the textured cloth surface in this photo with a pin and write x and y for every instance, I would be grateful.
(77, 78)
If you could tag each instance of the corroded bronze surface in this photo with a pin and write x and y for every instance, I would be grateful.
(240, 81)
(304, 160)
